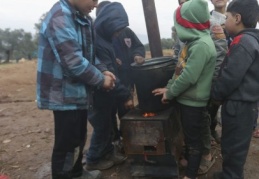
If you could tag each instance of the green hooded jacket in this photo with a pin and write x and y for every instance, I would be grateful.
(192, 80)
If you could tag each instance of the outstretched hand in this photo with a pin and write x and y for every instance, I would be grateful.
(139, 60)
(159, 91)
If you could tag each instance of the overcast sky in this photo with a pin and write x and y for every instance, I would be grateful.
(24, 14)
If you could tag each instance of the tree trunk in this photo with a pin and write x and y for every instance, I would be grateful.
(8, 56)
(29, 57)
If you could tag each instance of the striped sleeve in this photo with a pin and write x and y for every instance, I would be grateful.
(62, 38)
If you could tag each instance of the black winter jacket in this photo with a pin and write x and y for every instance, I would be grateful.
(111, 19)
(239, 78)
(127, 46)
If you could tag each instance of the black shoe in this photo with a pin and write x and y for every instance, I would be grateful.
(217, 175)
(96, 174)
(62, 175)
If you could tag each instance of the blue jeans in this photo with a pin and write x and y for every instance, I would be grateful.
(119, 109)
(101, 120)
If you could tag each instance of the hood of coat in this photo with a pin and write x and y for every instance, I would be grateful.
(192, 20)
(252, 32)
(111, 19)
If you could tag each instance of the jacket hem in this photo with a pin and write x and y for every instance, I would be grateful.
(192, 103)
(62, 108)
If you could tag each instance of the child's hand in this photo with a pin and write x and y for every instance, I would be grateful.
(139, 60)
(164, 99)
(108, 83)
(109, 80)
(118, 61)
(129, 104)
(107, 73)
(159, 91)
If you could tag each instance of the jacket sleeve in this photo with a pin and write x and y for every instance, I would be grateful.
(68, 52)
(122, 93)
(233, 73)
(192, 71)
(221, 49)
(105, 61)
(219, 38)
(170, 83)
(137, 47)
(99, 65)
(105, 58)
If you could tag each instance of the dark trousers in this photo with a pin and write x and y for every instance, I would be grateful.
(237, 127)
(206, 133)
(213, 111)
(70, 138)
(255, 121)
(193, 123)
(101, 143)
(211, 117)
(119, 109)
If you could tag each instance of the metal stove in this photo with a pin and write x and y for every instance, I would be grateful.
(148, 140)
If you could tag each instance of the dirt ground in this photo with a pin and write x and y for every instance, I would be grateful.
(26, 133)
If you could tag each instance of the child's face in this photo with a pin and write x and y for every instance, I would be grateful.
(219, 3)
(231, 23)
(117, 34)
(85, 6)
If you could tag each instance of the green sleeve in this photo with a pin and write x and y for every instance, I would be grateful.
(198, 56)
(170, 83)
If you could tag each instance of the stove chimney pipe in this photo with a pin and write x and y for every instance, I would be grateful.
(152, 28)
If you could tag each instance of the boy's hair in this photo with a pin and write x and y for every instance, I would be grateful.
(101, 5)
(248, 9)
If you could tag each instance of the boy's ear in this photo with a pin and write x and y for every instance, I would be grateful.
(238, 19)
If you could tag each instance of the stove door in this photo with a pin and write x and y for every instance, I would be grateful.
(144, 137)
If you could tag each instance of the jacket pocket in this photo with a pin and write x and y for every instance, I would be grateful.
(74, 92)
(231, 108)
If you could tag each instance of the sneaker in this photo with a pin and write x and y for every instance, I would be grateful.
(102, 165)
(96, 174)
(116, 158)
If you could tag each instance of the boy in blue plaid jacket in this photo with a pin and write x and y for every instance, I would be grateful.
(65, 78)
